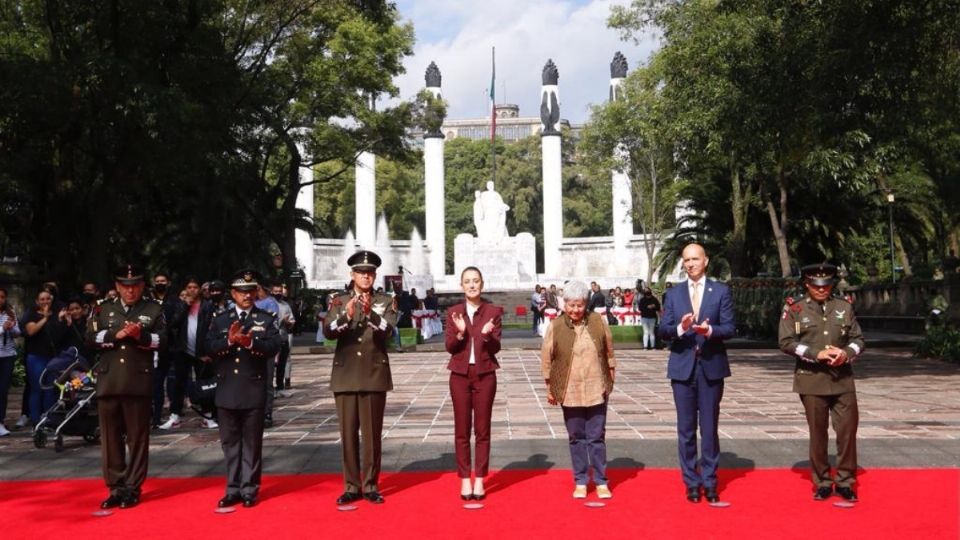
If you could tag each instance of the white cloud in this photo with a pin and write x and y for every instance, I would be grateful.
(458, 37)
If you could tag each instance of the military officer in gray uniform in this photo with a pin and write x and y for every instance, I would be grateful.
(241, 341)
(822, 333)
(361, 321)
(126, 332)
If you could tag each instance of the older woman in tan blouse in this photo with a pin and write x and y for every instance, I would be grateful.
(578, 365)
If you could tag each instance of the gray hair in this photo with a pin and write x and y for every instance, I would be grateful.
(575, 290)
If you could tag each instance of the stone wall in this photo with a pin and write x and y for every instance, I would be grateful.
(910, 298)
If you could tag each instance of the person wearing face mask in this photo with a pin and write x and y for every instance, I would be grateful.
(287, 321)
(160, 293)
(218, 300)
(472, 337)
(822, 333)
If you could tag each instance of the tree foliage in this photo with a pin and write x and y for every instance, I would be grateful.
(176, 131)
(802, 116)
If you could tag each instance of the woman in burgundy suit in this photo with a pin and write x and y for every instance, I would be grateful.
(473, 340)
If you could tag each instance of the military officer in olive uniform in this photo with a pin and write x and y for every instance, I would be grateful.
(126, 332)
(822, 333)
(241, 341)
(361, 322)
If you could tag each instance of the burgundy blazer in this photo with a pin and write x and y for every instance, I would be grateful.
(485, 349)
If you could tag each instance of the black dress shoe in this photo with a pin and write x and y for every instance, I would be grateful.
(693, 494)
(822, 493)
(374, 496)
(249, 501)
(112, 501)
(847, 493)
(130, 501)
(229, 500)
(347, 498)
(711, 494)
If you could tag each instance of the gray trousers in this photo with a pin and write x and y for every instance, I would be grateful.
(241, 437)
(586, 429)
(271, 371)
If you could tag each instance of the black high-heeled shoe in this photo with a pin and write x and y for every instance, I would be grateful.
(479, 496)
(466, 497)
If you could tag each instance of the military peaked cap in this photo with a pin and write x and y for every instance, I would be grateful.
(819, 275)
(129, 274)
(364, 261)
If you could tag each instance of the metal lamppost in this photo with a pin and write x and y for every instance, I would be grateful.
(893, 264)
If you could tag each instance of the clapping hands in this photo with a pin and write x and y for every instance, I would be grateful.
(237, 336)
(365, 304)
(688, 321)
(130, 330)
(459, 322)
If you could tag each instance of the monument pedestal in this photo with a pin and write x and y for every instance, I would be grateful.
(508, 264)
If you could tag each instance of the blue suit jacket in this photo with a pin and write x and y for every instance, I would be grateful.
(716, 304)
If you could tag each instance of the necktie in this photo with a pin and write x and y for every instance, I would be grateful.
(696, 301)
(126, 309)
(243, 316)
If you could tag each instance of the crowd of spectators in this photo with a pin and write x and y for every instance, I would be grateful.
(53, 324)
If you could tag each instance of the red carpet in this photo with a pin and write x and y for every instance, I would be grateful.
(766, 503)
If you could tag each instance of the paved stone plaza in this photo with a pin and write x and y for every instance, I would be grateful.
(910, 417)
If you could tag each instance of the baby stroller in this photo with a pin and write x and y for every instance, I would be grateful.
(75, 412)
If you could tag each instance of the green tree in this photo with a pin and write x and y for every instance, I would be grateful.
(630, 135)
(806, 109)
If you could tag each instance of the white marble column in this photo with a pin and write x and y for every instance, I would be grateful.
(620, 178)
(365, 201)
(304, 241)
(434, 204)
(552, 170)
(433, 177)
(552, 205)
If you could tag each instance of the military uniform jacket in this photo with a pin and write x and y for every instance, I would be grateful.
(125, 366)
(242, 372)
(360, 362)
(806, 328)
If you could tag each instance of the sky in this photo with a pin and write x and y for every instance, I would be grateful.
(458, 36)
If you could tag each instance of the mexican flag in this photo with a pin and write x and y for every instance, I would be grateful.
(493, 103)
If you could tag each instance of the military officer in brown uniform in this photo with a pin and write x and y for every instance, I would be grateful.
(361, 322)
(241, 341)
(126, 332)
(822, 333)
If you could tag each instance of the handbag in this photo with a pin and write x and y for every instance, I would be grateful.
(203, 390)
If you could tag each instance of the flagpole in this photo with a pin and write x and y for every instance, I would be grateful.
(493, 112)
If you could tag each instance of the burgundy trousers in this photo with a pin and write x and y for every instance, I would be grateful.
(472, 397)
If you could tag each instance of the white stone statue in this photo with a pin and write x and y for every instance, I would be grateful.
(490, 215)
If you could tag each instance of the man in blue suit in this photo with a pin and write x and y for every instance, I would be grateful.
(697, 318)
